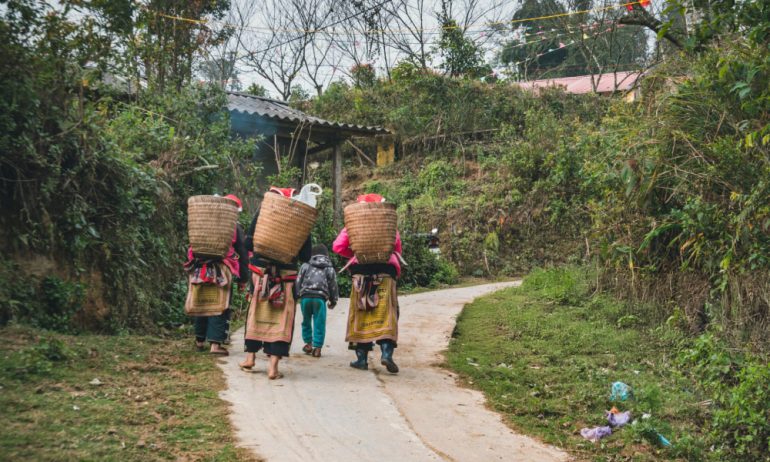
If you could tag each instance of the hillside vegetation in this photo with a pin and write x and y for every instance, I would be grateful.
(669, 194)
(655, 214)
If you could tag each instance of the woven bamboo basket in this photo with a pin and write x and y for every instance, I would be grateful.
(372, 230)
(282, 227)
(211, 224)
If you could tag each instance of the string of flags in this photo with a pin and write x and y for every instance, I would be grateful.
(628, 5)
(561, 46)
(542, 36)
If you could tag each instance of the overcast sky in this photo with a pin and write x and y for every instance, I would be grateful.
(338, 63)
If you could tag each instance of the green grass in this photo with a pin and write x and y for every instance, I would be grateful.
(547, 353)
(158, 399)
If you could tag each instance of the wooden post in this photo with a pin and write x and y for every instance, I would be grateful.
(337, 180)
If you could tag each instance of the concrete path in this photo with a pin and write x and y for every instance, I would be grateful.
(323, 410)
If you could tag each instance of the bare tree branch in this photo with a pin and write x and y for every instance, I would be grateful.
(278, 56)
(641, 17)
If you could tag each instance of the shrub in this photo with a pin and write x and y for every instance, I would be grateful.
(739, 384)
(60, 301)
(99, 180)
(693, 196)
(424, 268)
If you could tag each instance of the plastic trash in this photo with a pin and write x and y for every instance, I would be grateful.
(619, 391)
(618, 419)
(596, 433)
(308, 194)
(663, 441)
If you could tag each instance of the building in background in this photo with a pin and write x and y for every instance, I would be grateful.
(624, 84)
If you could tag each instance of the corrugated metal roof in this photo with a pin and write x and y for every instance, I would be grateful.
(282, 112)
(581, 84)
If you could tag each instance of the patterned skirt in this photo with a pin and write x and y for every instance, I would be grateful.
(377, 318)
(208, 299)
(268, 321)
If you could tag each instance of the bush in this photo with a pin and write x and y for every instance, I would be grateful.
(739, 384)
(16, 292)
(446, 272)
(99, 180)
(48, 303)
(60, 301)
(690, 209)
(424, 268)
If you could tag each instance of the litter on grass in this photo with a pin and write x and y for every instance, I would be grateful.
(620, 391)
(596, 433)
(617, 419)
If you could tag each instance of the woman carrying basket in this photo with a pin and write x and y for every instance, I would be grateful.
(373, 313)
(212, 314)
(270, 322)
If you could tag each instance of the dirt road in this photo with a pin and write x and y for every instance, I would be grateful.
(323, 410)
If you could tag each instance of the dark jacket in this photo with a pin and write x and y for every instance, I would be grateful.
(260, 261)
(243, 255)
(318, 279)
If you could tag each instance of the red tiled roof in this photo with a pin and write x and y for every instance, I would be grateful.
(605, 83)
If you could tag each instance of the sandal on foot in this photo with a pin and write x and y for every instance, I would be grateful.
(317, 352)
(220, 353)
(276, 376)
(307, 349)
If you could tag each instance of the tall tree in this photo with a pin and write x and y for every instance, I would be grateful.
(172, 34)
(278, 55)
(408, 33)
(221, 59)
(221, 72)
(578, 37)
(536, 46)
(461, 56)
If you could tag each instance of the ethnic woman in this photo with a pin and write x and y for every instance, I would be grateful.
(270, 322)
(373, 313)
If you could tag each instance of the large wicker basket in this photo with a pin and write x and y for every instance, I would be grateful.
(372, 230)
(211, 224)
(282, 227)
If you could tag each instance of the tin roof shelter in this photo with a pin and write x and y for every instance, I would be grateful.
(289, 133)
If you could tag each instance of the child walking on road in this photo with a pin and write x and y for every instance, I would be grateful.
(316, 284)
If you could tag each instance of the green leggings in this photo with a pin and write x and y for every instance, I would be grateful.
(313, 311)
(214, 329)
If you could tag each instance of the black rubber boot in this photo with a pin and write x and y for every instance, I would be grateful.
(387, 357)
(361, 362)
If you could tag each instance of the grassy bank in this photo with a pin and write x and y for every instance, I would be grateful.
(92, 397)
(547, 353)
